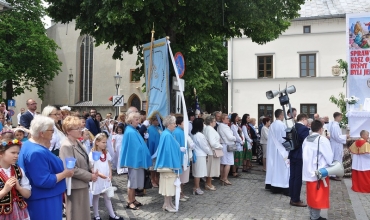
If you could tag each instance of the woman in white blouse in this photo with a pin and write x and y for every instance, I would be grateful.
(58, 135)
(227, 138)
(264, 134)
(213, 163)
(201, 150)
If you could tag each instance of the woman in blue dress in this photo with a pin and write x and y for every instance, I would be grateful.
(44, 170)
(168, 163)
(154, 131)
(136, 157)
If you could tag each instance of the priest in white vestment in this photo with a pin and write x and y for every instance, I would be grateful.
(337, 139)
(277, 163)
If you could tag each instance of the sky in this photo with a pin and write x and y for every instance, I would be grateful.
(46, 19)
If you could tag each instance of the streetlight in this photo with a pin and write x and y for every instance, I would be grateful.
(70, 81)
(117, 79)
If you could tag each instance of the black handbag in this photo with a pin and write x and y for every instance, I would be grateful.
(147, 181)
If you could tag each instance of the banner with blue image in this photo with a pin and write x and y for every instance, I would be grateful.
(157, 84)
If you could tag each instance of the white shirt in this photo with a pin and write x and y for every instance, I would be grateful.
(264, 135)
(336, 136)
(57, 139)
(19, 118)
(226, 134)
(201, 146)
(25, 183)
(213, 137)
(246, 135)
(310, 156)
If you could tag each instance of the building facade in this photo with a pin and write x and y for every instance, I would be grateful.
(87, 77)
(305, 56)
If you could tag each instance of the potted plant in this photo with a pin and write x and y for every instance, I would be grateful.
(351, 102)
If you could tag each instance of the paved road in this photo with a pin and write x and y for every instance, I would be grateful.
(245, 199)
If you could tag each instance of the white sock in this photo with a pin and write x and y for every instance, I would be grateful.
(96, 205)
(109, 206)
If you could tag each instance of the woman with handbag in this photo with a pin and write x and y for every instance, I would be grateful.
(168, 163)
(202, 150)
(213, 162)
(228, 144)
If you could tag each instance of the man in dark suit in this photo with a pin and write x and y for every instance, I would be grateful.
(92, 124)
(296, 162)
(27, 117)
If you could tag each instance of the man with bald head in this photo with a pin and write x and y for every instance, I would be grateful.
(316, 116)
(27, 117)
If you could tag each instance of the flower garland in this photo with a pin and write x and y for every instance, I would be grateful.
(12, 142)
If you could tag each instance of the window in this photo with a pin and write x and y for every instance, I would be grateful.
(307, 65)
(135, 101)
(266, 110)
(307, 29)
(86, 68)
(309, 109)
(264, 64)
(132, 77)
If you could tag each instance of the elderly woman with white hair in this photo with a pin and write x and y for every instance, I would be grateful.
(168, 163)
(44, 170)
(213, 162)
(58, 135)
(136, 157)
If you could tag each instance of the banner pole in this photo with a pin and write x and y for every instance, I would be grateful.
(149, 69)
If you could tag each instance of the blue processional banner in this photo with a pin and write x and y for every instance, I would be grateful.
(157, 85)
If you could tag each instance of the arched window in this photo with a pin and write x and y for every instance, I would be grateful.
(135, 101)
(86, 68)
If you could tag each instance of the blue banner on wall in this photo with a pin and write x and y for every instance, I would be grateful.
(157, 84)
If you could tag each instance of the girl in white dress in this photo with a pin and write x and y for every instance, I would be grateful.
(103, 165)
(14, 185)
(117, 145)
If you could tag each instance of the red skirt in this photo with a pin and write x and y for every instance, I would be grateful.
(361, 181)
(318, 198)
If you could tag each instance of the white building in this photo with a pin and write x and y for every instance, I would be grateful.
(302, 56)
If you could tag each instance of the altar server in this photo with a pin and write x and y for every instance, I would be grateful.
(360, 150)
(316, 155)
(277, 175)
(337, 139)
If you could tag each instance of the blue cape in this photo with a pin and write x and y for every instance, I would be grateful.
(179, 135)
(168, 153)
(153, 139)
(134, 152)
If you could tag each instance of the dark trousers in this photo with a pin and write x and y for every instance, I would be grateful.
(295, 179)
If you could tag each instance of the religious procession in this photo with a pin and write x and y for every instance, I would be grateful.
(145, 147)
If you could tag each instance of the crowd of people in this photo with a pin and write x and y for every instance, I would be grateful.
(155, 153)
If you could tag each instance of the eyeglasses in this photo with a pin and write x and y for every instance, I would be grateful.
(50, 130)
(77, 129)
(32, 103)
(54, 114)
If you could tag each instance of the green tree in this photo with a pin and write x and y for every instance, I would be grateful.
(339, 101)
(27, 54)
(192, 25)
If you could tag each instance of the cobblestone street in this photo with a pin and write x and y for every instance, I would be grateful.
(245, 199)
